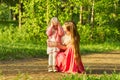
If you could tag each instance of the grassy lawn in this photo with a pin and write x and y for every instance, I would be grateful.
(99, 48)
(93, 77)
(11, 51)
(26, 76)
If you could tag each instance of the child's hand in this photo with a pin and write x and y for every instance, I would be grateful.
(51, 24)
(54, 24)
(51, 44)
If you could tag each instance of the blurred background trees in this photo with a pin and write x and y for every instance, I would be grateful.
(98, 21)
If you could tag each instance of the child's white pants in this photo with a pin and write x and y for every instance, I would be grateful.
(52, 59)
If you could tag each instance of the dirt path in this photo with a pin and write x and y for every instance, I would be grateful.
(37, 68)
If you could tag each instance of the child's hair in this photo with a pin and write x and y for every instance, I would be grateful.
(54, 19)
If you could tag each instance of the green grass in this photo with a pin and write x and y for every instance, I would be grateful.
(92, 77)
(104, 76)
(11, 51)
(99, 48)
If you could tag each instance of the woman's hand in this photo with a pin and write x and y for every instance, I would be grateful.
(69, 44)
(61, 46)
(58, 45)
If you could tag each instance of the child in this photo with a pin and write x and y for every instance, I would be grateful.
(54, 33)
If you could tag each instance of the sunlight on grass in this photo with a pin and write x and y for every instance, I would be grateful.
(26, 76)
(10, 51)
(20, 51)
(104, 76)
(97, 48)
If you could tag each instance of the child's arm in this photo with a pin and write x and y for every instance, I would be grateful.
(49, 31)
(60, 30)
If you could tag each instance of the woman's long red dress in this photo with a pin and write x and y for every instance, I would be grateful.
(66, 62)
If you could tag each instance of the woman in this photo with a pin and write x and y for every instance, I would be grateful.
(69, 60)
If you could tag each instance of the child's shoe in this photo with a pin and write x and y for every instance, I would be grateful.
(54, 69)
(50, 69)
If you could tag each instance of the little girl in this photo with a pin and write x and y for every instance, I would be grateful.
(54, 33)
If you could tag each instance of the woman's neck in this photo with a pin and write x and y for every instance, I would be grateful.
(68, 33)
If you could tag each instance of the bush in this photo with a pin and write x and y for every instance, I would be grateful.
(98, 34)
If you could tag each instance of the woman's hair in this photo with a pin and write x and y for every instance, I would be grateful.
(75, 38)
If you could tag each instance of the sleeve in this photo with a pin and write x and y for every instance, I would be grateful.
(60, 31)
(63, 40)
(49, 31)
(66, 40)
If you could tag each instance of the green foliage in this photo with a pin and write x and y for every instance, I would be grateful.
(92, 77)
(36, 15)
(98, 34)
(34, 34)
(4, 14)
(106, 13)
(85, 33)
(13, 34)
(106, 33)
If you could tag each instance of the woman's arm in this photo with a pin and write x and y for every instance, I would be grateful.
(63, 47)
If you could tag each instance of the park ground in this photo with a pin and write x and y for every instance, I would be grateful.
(36, 68)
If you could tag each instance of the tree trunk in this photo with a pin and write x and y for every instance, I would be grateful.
(10, 14)
(47, 11)
(92, 15)
(57, 9)
(115, 5)
(81, 11)
(72, 17)
(89, 15)
(19, 13)
(92, 20)
(1, 1)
